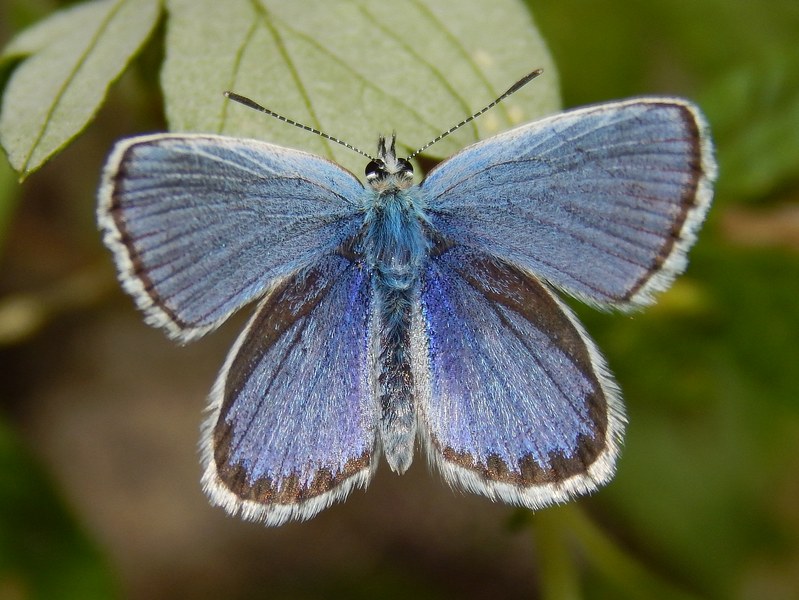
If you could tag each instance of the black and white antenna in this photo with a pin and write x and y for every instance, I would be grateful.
(511, 90)
(253, 104)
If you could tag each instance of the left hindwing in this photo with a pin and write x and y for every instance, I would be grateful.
(514, 400)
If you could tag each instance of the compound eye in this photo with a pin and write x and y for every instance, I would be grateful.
(405, 166)
(375, 169)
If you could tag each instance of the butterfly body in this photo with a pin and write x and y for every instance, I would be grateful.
(399, 312)
(394, 247)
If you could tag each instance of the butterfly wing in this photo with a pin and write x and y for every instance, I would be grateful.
(200, 224)
(514, 400)
(602, 202)
(293, 415)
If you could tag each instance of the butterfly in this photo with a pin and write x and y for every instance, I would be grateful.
(395, 311)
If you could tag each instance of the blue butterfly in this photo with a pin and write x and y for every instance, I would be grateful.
(393, 311)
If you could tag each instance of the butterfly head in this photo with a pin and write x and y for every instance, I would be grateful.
(387, 172)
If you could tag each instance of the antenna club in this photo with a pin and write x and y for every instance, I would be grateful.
(254, 105)
(511, 90)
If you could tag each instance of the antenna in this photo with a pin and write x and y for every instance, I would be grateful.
(252, 104)
(511, 90)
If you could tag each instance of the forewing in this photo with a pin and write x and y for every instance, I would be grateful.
(515, 401)
(602, 202)
(200, 225)
(292, 424)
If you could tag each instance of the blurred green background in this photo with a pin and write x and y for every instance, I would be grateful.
(99, 492)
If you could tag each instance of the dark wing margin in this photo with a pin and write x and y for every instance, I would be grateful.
(200, 225)
(602, 202)
(292, 417)
(515, 401)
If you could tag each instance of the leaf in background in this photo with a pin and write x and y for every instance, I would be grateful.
(745, 74)
(9, 193)
(43, 553)
(69, 60)
(353, 70)
(756, 119)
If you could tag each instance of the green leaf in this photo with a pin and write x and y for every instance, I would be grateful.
(755, 110)
(353, 70)
(70, 59)
(9, 194)
(43, 552)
